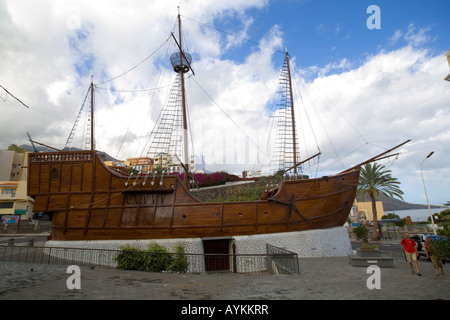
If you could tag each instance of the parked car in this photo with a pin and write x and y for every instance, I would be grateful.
(420, 241)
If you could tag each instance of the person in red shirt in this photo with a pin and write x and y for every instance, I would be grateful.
(409, 246)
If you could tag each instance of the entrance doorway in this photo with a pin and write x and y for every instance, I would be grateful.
(217, 254)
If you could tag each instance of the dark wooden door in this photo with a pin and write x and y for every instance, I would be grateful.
(217, 254)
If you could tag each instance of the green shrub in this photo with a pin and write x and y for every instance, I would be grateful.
(440, 248)
(445, 231)
(361, 232)
(155, 259)
(130, 258)
(180, 261)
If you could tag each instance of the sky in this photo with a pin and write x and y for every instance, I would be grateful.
(364, 80)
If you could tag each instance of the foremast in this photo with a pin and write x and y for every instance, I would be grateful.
(285, 147)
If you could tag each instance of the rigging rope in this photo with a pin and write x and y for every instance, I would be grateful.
(234, 35)
(323, 126)
(248, 40)
(152, 92)
(334, 105)
(306, 112)
(230, 118)
(153, 101)
(133, 91)
(148, 57)
(74, 128)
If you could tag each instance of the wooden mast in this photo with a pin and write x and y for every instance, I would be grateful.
(92, 115)
(292, 116)
(183, 103)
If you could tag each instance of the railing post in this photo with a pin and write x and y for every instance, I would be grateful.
(234, 258)
(49, 255)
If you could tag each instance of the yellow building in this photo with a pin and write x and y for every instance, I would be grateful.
(14, 203)
(142, 164)
(363, 211)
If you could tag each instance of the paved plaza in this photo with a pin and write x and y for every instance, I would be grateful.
(332, 278)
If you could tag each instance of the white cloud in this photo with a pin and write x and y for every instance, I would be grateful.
(417, 37)
(395, 37)
(49, 50)
(393, 96)
(332, 67)
(412, 36)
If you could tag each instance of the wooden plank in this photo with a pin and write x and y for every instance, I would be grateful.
(93, 176)
(108, 203)
(173, 208)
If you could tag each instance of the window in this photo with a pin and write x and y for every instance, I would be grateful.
(6, 205)
(9, 192)
(54, 174)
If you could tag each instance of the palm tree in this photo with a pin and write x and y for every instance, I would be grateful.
(15, 147)
(373, 180)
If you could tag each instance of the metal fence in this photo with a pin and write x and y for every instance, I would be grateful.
(393, 233)
(26, 227)
(275, 261)
(62, 256)
(281, 261)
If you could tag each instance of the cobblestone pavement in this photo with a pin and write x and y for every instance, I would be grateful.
(331, 278)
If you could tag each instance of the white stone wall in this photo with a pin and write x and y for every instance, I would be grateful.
(307, 244)
(191, 245)
(333, 242)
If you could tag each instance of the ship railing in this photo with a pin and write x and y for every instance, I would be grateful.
(277, 261)
(61, 156)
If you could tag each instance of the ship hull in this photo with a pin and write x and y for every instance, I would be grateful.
(88, 201)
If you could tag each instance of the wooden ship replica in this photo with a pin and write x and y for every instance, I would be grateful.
(86, 200)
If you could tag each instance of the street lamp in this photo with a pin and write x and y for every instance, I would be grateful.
(423, 181)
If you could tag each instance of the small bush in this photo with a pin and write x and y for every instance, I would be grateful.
(440, 248)
(156, 259)
(361, 232)
(180, 261)
(130, 258)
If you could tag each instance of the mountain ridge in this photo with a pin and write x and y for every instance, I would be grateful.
(392, 204)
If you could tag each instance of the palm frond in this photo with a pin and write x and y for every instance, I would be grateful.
(375, 179)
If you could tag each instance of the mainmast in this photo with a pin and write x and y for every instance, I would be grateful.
(292, 116)
(181, 64)
(92, 116)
